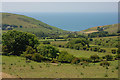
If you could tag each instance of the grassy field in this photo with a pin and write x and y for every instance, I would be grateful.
(82, 53)
(18, 67)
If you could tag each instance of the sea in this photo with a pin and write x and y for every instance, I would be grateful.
(74, 21)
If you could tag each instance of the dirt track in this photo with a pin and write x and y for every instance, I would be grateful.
(91, 32)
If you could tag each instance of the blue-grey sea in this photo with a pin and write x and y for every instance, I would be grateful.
(75, 21)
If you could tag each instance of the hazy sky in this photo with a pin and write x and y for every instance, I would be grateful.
(60, 0)
(60, 6)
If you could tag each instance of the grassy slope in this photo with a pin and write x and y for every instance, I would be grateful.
(18, 67)
(29, 24)
(82, 53)
(110, 28)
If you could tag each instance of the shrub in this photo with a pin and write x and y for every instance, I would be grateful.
(90, 39)
(118, 51)
(76, 61)
(29, 50)
(54, 61)
(106, 75)
(95, 49)
(109, 57)
(59, 46)
(88, 60)
(48, 51)
(28, 56)
(64, 57)
(94, 57)
(46, 42)
(113, 51)
(104, 63)
(117, 57)
(32, 67)
(37, 57)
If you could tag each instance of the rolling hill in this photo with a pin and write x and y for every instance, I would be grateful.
(28, 24)
(109, 28)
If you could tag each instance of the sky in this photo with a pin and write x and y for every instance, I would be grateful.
(59, 6)
(59, 0)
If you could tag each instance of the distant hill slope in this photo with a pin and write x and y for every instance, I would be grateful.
(28, 24)
(109, 28)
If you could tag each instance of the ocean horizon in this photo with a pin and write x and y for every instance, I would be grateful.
(74, 21)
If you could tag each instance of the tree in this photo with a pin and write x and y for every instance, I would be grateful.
(16, 42)
(78, 43)
(48, 51)
(29, 50)
(64, 57)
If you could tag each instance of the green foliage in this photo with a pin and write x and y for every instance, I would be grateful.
(16, 42)
(64, 57)
(118, 51)
(114, 51)
(110, 42)
(98, 34)
(46, 42)
(76, 60)
(94, 57)
(48, 51)
(37, 57)
(117, 57)
(109, 57)
(104, 63)
(79, 43)
(29, 50)
(54, 61)
(100, 28)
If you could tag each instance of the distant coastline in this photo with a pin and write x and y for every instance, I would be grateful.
(74, 21)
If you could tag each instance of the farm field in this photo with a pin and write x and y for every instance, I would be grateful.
(18, 67)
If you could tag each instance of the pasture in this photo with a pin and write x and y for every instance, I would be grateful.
(82, 53)
(18, 67)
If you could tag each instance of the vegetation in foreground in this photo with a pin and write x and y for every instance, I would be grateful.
(18, 67)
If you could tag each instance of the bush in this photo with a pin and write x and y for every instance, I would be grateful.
(28, 56)
(37, 57)
(94, 57)
(90, 39)
(109, 57)
(46, 42)
(29, 50)
(113, 51)
(54, 61)
(64, 57)
(118, 51)
(48, 51)
(95, 49)
(76, 60)
(117, 57)
(79, 43)
(104, 63)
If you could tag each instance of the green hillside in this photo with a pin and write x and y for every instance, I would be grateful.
(28, 24)
(109, 28)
